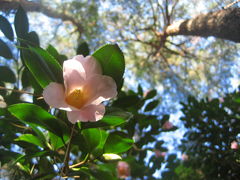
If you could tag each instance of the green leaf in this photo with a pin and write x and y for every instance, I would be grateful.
(126, 101)
(34, 115)
(112, 62)
(31, 139)
(237, 100)
(6, 28)
(50, 62)
(25, 78)
(51, 50)
(5, 50)
(140, 90)
(151, 94)
(83, 49)
(111, 157)
(55, 141)
(38, 69)
(150, 106)
(21, 23)
(6, 156)
(104, 122)
(7, 75)
(92, 137)
(117, 143)
(60, 58)
(33, 38)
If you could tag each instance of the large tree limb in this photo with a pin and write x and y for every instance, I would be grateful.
(223, 24)
(8, 5)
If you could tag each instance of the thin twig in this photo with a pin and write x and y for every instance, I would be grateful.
(66, 158)
(80, 163)
(18, 91)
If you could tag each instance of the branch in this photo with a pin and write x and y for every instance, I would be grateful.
(30, 6)
(223, 24)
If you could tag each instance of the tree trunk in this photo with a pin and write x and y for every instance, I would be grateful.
(223, 24)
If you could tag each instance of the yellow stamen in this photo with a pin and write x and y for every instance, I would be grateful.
(76, 98)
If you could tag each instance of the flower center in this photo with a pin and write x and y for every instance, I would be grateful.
(76, 98)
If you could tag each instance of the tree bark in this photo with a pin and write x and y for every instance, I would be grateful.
(223, 24)
(8, 5)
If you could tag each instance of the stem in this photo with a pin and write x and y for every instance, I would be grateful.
(18, 91)
(66, 158)
(80, 163)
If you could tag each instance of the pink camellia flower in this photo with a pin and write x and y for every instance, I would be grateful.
(234, 145)
(123, 169)
(167, 125)
(84, 90)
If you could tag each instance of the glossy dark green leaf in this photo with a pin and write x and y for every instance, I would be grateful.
(150, 106)
(31, 139)
(83, 49)
(25, 78)
(6, 28)
(51, 50)
(112, 62)
(21, 23)
(38, 69)
(50, 62)
(60, 58)
(126, 101)
(7, 75)
(92, 137)
(151, 94)
(106, 121)
(33, 39)
(140, 90)
(33, 114)
(55, 141)
(103, 175)
(117, 143)
(6, 156)
(5, 50)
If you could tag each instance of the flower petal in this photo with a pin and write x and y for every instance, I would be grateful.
(54, 96)
(74, 74)
(88, 113)
(100, 88)
(90, 65)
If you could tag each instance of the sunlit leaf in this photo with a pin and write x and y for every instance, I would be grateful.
(50, 62)
(92, 137)
(117, 143)
(33, 114)
(55, 141)
(31, 139)
(111, 157)
(112, 62)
